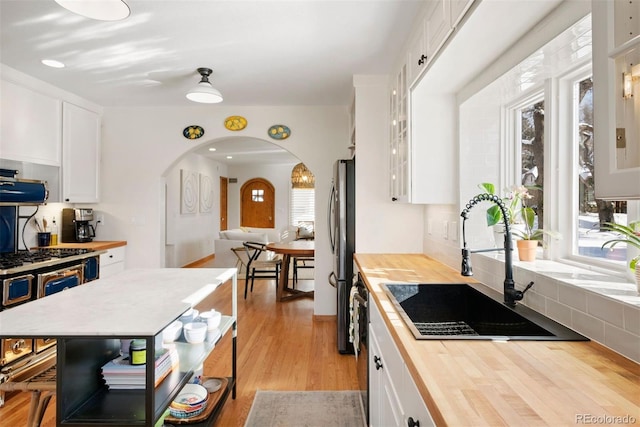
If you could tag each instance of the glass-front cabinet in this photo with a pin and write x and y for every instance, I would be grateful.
(616, 83)
(398, 141)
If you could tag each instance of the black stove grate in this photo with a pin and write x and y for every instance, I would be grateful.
(17, 259)
(445, 328)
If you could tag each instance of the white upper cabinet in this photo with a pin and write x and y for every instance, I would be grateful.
(431, 33)
(422, 138)
(30, 126)
(616, 53)
(417, 58)
(433, 137)
(81, 155)
(438, 26)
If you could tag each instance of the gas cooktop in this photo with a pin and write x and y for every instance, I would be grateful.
(24, 261)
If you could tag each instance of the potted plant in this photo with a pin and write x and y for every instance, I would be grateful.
(521, 220)
(512, 201)
(529, 237)
(629, 234)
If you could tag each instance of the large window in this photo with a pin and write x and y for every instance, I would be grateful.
(531, 131)
(302, 206)
(552, 155)
(591, 212)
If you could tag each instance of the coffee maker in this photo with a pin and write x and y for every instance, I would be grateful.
(76, 225)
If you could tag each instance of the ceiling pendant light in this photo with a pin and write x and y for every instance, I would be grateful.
(102, 10)
(204, 92)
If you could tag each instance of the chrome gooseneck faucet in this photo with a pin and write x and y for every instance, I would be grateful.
(511, 294)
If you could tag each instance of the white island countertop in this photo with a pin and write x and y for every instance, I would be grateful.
(135, 302)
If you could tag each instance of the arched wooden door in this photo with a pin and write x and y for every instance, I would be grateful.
(257, 204)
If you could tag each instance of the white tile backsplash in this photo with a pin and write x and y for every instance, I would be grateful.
(631, 319)
(572, 296)
(605, 309)
(588, 325)
(625, 342)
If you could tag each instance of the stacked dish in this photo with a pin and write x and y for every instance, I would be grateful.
(191, 401)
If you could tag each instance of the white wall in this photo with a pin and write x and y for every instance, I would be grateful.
(140, 146)
(189, 236)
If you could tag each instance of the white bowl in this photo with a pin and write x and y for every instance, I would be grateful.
(212, 318)
(212, 385)
(189, 316)
(195, 332)
(172, 332)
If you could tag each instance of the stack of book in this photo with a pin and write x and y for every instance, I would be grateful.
(119, 373)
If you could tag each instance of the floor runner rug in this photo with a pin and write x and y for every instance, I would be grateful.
(305, 409)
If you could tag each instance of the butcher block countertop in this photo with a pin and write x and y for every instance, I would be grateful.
(514, 383)
(95, 245)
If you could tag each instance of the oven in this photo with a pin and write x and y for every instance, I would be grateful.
(17, 290)
(14, 349)
(59, 280)
(360, 328)
(27, 275)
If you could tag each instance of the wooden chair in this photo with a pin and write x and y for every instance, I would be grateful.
(241, 254)
(301, 262)
(260, 266)
(305, 231)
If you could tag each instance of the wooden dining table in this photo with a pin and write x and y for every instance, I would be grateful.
(296, 248)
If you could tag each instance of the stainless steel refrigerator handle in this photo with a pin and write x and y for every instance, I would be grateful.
(329, 217)
(333, 282)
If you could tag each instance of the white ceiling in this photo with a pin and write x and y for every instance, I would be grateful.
(296, 52)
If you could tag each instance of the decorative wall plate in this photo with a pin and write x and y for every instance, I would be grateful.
(235, 123)
(193, 132)
(279, 132)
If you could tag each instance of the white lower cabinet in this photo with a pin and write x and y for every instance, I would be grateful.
(112, 262)
(394, 399)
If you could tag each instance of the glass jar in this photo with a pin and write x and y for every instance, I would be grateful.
(138, 352)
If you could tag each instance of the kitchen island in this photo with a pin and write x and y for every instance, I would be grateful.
(513, 383)
(89, 323)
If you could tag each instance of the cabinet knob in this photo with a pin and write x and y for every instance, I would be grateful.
(378, 362)
(413, 423)
(393, 199)
(422, 59)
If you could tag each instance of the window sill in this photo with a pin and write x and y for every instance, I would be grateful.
(608, 283)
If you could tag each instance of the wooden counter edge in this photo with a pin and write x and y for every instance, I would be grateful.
(429, 401)
(96, 245)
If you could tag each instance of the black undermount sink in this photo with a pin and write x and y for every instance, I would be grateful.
(470, 312)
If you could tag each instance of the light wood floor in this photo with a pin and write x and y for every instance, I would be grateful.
(281, 346)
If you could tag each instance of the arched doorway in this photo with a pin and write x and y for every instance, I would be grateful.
(257, 204)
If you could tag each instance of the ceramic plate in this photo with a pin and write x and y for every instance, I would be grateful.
(192, 395)
(235, 123)
(279, 132)
(193, 132)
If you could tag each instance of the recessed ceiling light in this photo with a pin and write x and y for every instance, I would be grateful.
(229, 157)
(52, 63)
(212, 149)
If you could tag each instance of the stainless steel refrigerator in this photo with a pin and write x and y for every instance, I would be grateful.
(342, 235)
